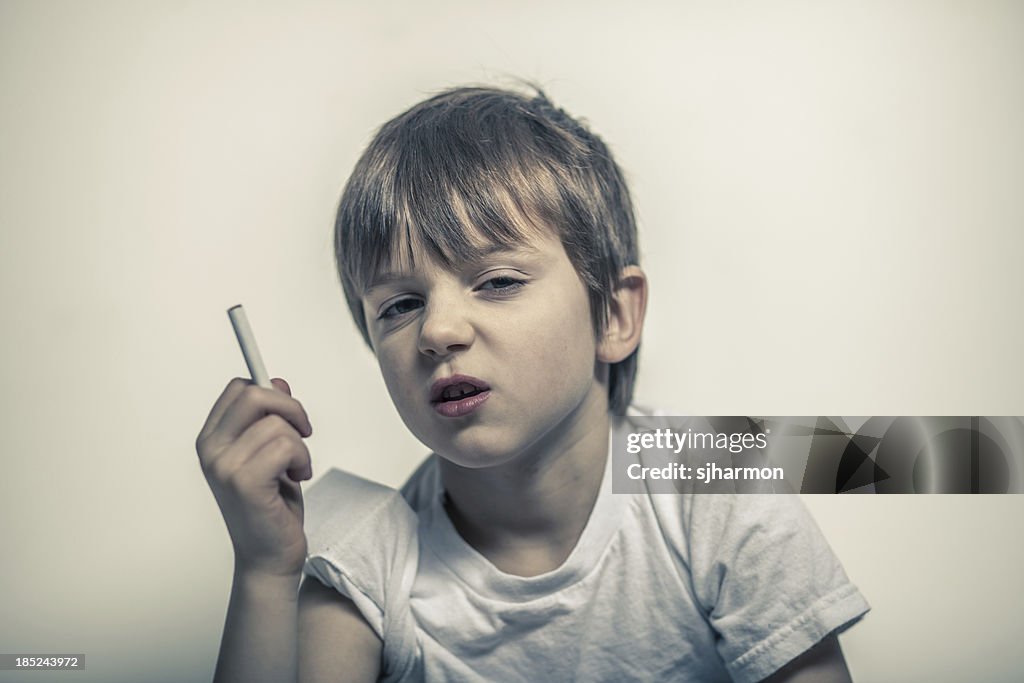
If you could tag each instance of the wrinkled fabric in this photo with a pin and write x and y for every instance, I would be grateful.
(703, 587)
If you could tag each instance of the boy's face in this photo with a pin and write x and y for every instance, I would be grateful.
(515, 326)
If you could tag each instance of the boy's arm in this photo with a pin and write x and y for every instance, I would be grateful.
(823, 663)
(313, 635)
(259, 641)
(335, 643)
(252, 454)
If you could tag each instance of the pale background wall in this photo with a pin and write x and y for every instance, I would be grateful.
(831, 215)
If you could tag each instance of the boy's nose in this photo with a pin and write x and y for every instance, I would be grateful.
(444, 331)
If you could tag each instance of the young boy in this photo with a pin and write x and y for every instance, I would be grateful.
(487, 248)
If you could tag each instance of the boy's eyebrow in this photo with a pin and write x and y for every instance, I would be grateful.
(389, 276)
(381, 279)
(499, 249)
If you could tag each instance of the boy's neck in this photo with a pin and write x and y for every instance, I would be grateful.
(527, 516)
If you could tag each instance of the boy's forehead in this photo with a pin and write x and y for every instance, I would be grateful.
(411, 250)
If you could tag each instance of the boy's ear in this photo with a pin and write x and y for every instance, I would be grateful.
(625, 316)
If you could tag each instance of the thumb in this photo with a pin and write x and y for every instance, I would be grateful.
(281, 385)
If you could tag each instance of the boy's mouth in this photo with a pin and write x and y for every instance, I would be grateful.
(458, 395)
(456, 388)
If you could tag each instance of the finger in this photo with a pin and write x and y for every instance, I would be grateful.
(279, 456)
(226, 463)
(254, 403)
(226, 398)
(281, 385)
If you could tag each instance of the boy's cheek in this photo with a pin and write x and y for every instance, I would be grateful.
(389, 370)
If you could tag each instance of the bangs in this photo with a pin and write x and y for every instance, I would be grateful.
(454, 223)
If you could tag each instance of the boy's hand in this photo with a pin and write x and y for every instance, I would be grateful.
(253, 456)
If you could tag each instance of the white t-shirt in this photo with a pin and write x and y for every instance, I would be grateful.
(702, 587)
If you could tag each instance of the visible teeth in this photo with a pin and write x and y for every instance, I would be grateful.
(457, 391)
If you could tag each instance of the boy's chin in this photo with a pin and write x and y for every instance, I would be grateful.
(475, 463)
(475, 451)
(474, 458)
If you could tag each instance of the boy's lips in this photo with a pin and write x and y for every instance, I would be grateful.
(455, 387)
(458, 395)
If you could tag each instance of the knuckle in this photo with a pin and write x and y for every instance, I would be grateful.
(284, 442)
(205, 461)
(236, 386)
(221, 470)
(205, 442)
(208, 450)
(289, 427)
(250, 394)
(275, 423)
(255, 395)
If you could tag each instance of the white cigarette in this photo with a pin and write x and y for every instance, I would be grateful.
(249, 348)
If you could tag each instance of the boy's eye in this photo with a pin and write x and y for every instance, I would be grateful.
(399, 307)
(502, 284)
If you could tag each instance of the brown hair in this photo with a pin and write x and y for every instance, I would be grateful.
(495, 163)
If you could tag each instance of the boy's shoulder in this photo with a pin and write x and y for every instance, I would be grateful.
(362, 541)
(346, 517)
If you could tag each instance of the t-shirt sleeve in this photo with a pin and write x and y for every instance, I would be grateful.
(765, 577)
(362, 541)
